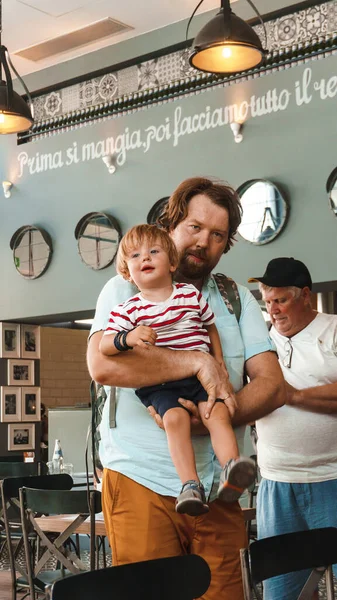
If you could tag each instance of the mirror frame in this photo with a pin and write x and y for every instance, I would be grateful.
(16, 239)
(155, 210)
(330, 184)
(244, 187)
(81, 225)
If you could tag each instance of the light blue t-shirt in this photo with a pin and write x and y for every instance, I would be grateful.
(137, 447)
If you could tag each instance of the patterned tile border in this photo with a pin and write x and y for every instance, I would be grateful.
(304, 35)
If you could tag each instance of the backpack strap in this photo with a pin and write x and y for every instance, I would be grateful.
(230, 294)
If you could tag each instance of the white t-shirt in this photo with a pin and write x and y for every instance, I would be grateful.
(296, 445)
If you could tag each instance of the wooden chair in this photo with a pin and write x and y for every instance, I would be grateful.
(315, 549)
(12, 519)
(78, 505)
(175, 578)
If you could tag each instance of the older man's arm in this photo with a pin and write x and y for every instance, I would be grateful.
(150, 366)
(264, 393)
(321, 399)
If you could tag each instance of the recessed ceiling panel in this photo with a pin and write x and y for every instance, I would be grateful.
(73, 39)
(55, 9)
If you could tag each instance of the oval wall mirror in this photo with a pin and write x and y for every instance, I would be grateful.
(32, 251)
(331, 188)
(264, 211)
(156, 210)
(98, 235)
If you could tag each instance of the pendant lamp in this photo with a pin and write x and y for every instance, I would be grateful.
(227, 44)
(15, 114)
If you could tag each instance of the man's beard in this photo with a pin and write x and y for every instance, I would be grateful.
(190, 269)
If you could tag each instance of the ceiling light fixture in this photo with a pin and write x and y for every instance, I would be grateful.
(227, 44)
(15, 114)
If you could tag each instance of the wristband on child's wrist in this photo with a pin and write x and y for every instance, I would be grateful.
(120, 341)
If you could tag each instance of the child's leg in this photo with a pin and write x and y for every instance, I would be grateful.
(237, 473)
(177, 425)
(191, 500)
(219, 425)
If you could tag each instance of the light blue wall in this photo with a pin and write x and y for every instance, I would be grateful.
(294, 147)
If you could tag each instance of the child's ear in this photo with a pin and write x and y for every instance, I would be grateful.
(173, 268)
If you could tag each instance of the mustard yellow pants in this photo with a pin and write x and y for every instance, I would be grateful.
(142, 525)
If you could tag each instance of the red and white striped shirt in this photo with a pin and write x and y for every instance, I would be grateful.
(179, 321)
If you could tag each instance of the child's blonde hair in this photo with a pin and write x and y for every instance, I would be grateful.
(136, 236)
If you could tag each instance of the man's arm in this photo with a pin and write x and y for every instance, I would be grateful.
(150, 366)
(264, 393)
(321, 399)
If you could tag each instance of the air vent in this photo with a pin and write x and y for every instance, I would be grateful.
(74, 39)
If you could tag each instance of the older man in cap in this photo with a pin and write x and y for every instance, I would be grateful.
(297, 443)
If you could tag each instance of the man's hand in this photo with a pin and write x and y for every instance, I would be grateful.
(141, 336)
(215, 380)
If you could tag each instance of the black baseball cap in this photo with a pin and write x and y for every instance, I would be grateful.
(283, 272)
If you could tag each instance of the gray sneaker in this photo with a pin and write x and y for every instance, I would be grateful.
(236, 476)
(192, 500)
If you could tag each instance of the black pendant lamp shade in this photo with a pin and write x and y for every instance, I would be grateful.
(15, 114)
(226, 44)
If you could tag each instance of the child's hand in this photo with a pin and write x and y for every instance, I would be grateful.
(141, 336)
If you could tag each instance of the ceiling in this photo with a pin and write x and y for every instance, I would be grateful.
(29, 22)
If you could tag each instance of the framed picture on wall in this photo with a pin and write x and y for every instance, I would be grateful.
(20, 372)
(10, 404)
(9, 340)
(21, 436)
(31, 404)
(30, 341)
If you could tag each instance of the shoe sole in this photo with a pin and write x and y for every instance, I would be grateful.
(241, 476)
(192, 508)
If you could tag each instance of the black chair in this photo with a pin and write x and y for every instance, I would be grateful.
(269, 557)
(175, 578)
(10, 487)
(10, 468)
(76, 506)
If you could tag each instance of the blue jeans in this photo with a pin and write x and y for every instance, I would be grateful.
(287, 507)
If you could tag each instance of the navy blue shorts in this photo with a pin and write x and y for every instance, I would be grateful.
(165, 395)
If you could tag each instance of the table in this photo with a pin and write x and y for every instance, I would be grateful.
(58, 523)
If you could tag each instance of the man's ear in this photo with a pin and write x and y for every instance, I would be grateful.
(306, 293)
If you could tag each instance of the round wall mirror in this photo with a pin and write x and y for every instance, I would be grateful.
(331, 188)
(156, 210)
(32, 251)
(98, 236)
(264, 211)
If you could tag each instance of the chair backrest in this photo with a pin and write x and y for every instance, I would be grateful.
(22, 469)
(315, 549)
(10, 487)
(174, 578)
(80, 505)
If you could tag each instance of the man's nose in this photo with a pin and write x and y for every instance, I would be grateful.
(203, 239)
(272, 308)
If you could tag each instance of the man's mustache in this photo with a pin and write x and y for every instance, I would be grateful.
(198, 254)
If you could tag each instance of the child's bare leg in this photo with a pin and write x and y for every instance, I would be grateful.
(191, 500)
(177, 425)
(219, 425)
(237, 473)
